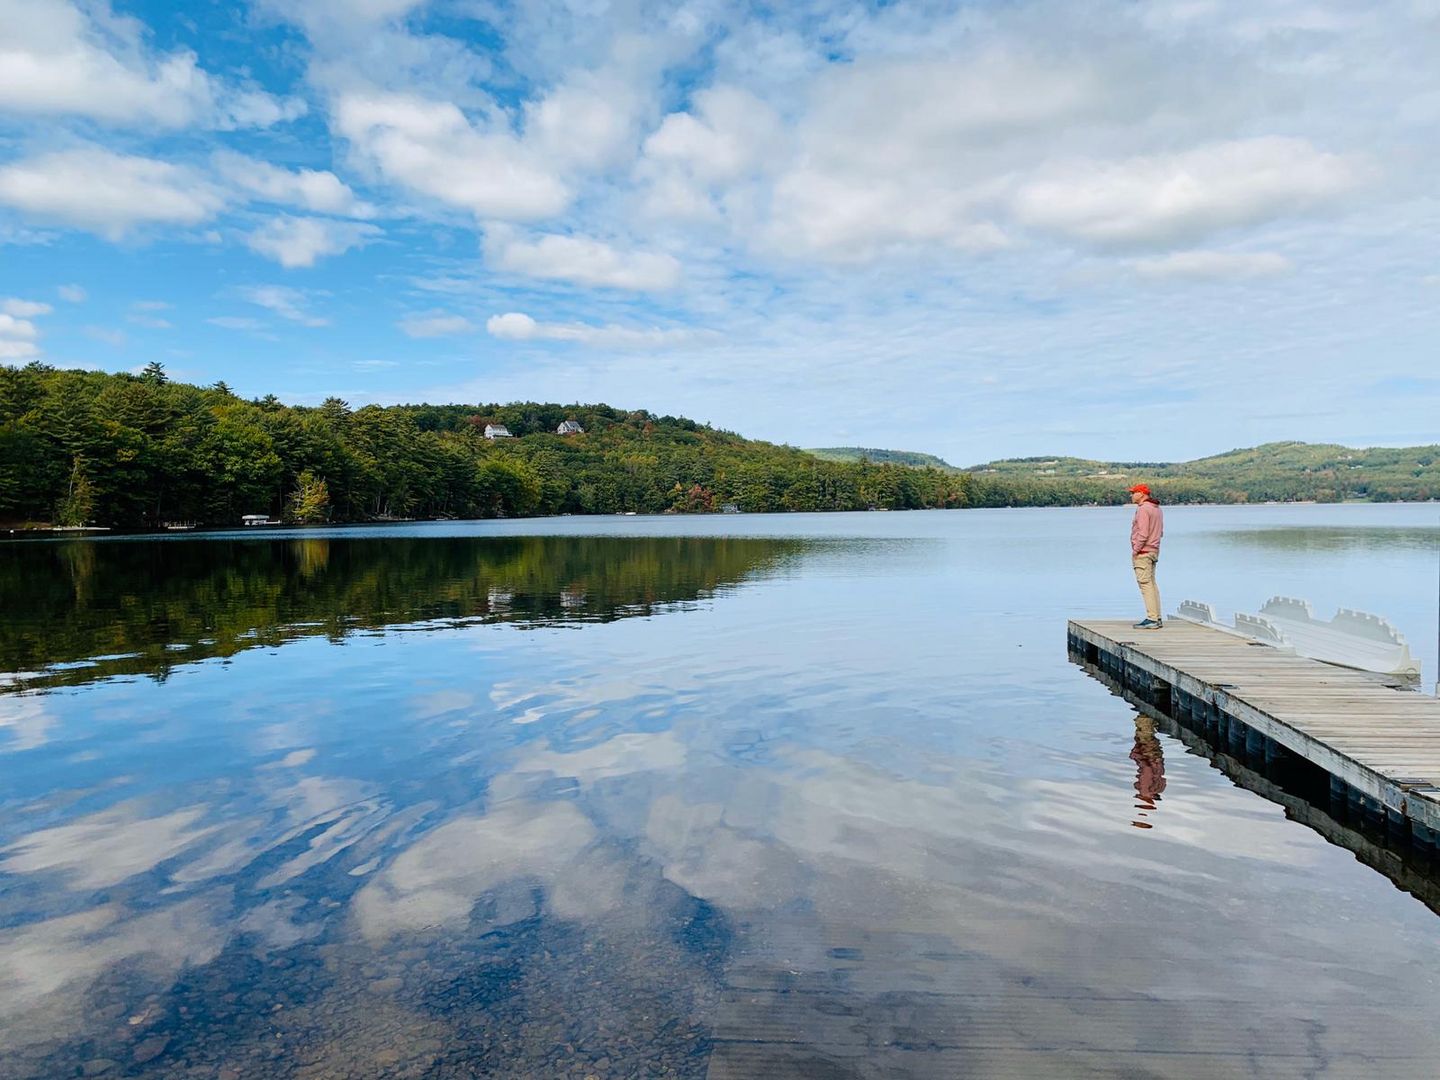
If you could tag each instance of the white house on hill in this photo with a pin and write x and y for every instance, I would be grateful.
(570, 427)
(497, 431)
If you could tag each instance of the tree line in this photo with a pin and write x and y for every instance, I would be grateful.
(139, 451)
(136, 451)
(1272, 472)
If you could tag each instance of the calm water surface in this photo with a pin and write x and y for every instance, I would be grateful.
(726, 797)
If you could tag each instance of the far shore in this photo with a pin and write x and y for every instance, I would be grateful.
(39, 531)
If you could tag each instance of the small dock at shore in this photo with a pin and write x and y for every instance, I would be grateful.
(1372, 744)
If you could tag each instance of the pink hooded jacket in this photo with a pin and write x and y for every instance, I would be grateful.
(1147, 528)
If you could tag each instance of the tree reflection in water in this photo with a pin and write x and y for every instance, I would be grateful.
(84, 610)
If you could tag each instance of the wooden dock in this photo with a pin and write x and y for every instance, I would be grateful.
(1378, 743)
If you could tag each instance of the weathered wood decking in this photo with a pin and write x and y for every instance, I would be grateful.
(1381, 742)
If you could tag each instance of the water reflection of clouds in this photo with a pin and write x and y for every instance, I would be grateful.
(440, 703)
(1248, 828)
(836, 833)
(294, 760)
(437, 880)
(44, 960)
(958, 860)
(344, 817)
(27, 720)
(184, 916)
(968, 886)
(621, 755)
(105, 848)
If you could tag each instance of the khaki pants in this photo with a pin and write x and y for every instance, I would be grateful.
(1145, 578)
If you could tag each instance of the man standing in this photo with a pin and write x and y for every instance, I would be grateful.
(1145, 533)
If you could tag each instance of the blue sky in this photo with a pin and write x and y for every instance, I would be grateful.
(1116, 230)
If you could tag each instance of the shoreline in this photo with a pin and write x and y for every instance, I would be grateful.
(47, 532)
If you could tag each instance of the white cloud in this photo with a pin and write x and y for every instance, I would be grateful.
(693, 163)
(17, 350)
(941, 136)
(309, 189)
(256, 109)
(142, 313)
(295, 242)
(435, 325)
(236, 322)
(728, 133)
(112, 337)
(516, 326)
(926, 112)
(17, 336)
(899, 152)
(432, 148)
(106, 192)
(852, 220)
(12, 327)
(72, 294)
(291, 304)
(61, 58)
(1218, 265)
(589, 122)
(583, 261)
(24, 309)
(322, 17)
(1163, 199)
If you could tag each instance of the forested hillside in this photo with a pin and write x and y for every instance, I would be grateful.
(137, 451)
(1281, 471)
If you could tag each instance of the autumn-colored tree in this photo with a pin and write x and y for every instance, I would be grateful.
(77, 506)
(310, 502)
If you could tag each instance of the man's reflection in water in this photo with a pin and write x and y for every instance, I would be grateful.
(1149, 769)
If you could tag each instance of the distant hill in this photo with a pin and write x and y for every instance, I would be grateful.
(912, 458)
(1280, 471)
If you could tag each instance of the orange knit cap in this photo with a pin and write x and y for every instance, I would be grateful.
(1144, 489)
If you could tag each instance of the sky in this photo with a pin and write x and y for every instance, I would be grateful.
(1117, 230)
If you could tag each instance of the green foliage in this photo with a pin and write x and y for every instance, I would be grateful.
(155, 450)
(134, 452)
(1278, 472)
(912, 458)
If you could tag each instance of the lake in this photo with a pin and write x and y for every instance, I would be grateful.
(736, 796)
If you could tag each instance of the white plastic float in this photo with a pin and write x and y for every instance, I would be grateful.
(1352, 639)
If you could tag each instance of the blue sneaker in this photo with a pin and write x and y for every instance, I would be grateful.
(1148, 624)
